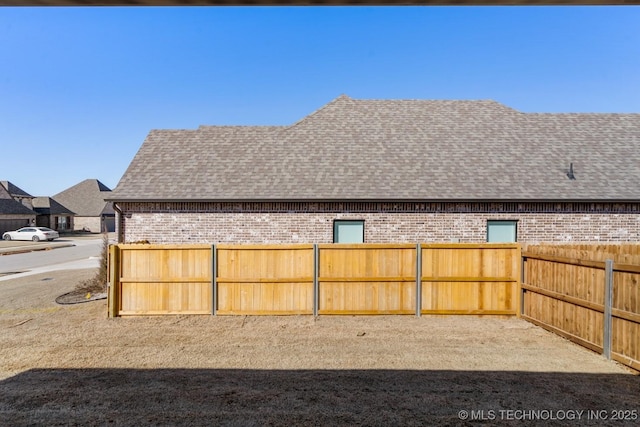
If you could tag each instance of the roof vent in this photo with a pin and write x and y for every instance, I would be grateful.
(570, 174)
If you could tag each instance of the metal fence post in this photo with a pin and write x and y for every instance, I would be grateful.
(523, 268)
(418, 280)
(214, 282)
(316, 288)
(608, 302)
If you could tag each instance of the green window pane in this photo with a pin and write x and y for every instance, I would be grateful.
(348, 232)
(501, 231)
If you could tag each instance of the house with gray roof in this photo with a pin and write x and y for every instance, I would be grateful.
(389, 171)
(52, 214)
(18, 194)
(87, 200)
(13, 214)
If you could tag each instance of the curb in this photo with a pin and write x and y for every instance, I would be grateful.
(27, 248)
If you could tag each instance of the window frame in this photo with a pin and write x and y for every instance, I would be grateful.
(343, 221)
(514, 222)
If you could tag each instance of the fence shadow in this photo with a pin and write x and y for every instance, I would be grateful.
(315, 397)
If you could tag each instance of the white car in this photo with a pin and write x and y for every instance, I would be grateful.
(31, 233)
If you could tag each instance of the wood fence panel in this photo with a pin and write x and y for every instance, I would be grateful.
(625, 345)
(165, 279)
(470, 278)
(265, 279)
(581, 315)
(564, 292)
(367, 279)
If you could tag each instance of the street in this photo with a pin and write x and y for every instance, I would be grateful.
(85, 254)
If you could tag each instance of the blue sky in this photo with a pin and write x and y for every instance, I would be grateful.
(81, 87)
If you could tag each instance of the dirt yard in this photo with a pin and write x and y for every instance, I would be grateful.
(70, 365)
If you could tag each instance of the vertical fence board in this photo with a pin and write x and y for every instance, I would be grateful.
(164, 279)
(449, 270)
(265, 279)
(367, 279)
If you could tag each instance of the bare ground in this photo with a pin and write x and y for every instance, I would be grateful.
(70, 365)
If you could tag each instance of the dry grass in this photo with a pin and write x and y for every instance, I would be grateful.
(70, 365)
(96, 285)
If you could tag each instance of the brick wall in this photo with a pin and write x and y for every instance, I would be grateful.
(87, 223)
(175, 224)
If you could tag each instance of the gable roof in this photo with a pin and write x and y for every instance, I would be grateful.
(48, 206)
(86, 198)
(4, 194)
(12, 207)
(395, 150)
(14, 190)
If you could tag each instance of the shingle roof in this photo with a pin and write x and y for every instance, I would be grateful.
(86, 198)
(14, 190)
(12, 207)
(48, 206)
(4, 194)
(395, 150)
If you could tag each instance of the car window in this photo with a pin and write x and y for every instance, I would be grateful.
(27, 230)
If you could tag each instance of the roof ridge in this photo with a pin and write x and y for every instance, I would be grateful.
(207, 127)
(340, 98)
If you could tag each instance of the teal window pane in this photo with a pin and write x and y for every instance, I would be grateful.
(502, 231)
(348, 232)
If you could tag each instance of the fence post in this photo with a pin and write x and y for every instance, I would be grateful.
(608, 302)
(316, 288)
(214, 282)
(418, 280)
(114, 281)
(523, 277)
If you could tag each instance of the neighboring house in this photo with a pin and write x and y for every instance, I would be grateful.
(13, 214)
(87, 200)
(18, 194)
(389, 171)
(52, 214)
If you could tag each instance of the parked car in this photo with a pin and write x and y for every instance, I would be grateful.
(31, 233)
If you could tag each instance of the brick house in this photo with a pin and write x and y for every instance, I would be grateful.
(87, 200)
(52, 214)
(13, 213)
(18, 194)
(389, 171)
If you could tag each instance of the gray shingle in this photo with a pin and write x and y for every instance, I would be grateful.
(395, 150)
(11, 207)
(14, 190)
(48, 206)
(86, 198)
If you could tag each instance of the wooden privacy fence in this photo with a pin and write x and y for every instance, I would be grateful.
(574, 292)
(314, 279)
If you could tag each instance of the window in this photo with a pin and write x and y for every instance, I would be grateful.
(61, 223)
(502, 231)
(348, 231)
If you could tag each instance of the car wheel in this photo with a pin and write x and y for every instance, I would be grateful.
(6, 237)
(36, 239)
